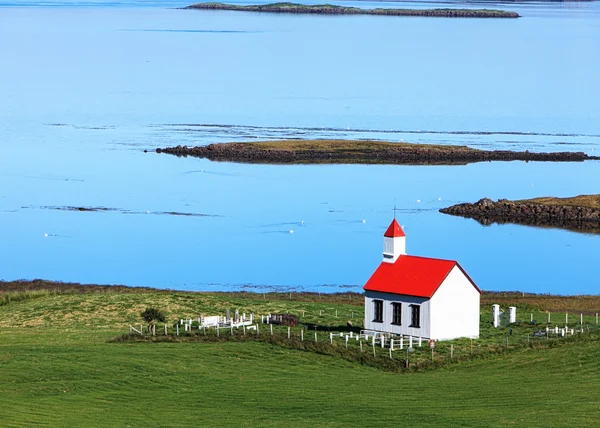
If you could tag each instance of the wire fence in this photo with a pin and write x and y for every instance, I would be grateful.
(396, 353)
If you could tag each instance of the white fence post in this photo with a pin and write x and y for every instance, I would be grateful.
(177, 333)
(271, 325)
(420, 341)
(315, 336)
(581, 319)
(302, 335)
(331, 338)
(165, 329)
(289, 332)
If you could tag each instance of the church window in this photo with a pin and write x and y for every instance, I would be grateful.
(378, 310)
(415, 316)
(389, 246)
(397, 313)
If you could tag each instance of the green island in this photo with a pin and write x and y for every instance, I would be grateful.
(360, 152)
(579, 213)
(68, 360)
(329, 9)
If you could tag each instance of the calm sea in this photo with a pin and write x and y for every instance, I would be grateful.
(87, 86)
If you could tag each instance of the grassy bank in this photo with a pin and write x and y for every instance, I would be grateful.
(358, 146)
(587, 201)
(59, 367)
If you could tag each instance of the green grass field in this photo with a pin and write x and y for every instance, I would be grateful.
(58, 368)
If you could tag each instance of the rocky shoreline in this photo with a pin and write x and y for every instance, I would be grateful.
(360, 152)
(487, 211)
(328, 9)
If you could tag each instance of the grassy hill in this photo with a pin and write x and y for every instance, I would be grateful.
(59, 369)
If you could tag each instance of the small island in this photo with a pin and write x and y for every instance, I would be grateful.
(329, 9)
(580, 213)
(360, 152)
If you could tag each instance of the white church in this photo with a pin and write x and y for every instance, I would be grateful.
(420, 296)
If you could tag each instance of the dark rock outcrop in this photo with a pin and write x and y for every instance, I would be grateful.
(408, 154)
(328, 9)
(486, 211)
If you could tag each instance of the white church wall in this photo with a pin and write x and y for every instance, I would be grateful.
(386, 325)
(455, 308)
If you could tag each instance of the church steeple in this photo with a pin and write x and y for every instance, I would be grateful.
(394, 242)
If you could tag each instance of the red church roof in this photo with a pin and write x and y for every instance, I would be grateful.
(412, 275)
(394, 231)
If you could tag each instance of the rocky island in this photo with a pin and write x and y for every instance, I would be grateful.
(329, 9)
(360, 152)
(580, 213)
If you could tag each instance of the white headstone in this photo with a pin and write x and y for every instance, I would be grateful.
(496, 315)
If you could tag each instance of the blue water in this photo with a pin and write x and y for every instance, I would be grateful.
(87, 86)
